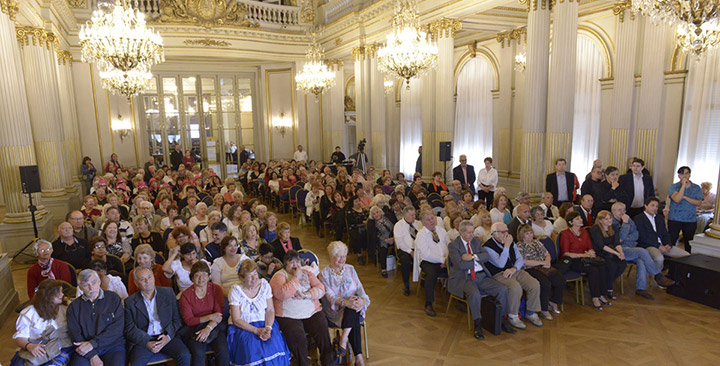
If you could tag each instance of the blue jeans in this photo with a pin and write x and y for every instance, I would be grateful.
(111, 356)
(645, 265)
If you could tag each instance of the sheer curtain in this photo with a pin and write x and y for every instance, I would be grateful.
(699, 139)
(586, 123)
(474, 113)
(410, 126)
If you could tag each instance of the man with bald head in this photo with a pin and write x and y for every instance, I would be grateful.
(70, 249)
(522, 218)
(465, 173)
(551, 211)
(457, 191)
(81, 230)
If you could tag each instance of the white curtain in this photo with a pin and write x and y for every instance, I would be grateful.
(699, 139)
(410, 126)
(474, 113)
(586, 123)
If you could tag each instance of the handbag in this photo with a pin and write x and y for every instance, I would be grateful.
(592, 262)
(51, 339)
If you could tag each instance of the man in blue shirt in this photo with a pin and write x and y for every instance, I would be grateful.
(628, 235)
(685, 197)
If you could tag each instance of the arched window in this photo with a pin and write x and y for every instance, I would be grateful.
(474, 112)
(586, 122)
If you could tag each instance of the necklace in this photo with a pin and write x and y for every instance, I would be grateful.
(337, 273)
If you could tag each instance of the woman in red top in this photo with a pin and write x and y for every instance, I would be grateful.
(46, 267)
(188, 160)
(202, 306)
(437, 186)
(576, 246)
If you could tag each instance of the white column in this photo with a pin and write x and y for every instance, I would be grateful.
(377, 115)
(333, 108)
(502, 115)
(444, 31)
(624, 85)
(536, 83)
(362, 98)
(41, 85)
(561, 87)
(69, 117)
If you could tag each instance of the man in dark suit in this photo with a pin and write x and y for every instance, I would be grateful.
(418, 162)
(561, 184)
(152, 322)
(637, 186)
(465, 174)
(176, 157)
(468, 276)
(653, 235)
(244, 155)
(585, 210)
(522, 218)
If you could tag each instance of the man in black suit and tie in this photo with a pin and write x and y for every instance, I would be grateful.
(522, 218)
(638, 187)
(561, 183)
(653, 235)
(585, 210)
(465, 174)
(152, 322)
(468, 275)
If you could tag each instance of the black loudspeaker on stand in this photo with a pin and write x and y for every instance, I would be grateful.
(30, 179)
(445, 156)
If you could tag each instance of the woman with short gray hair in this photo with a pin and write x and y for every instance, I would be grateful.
(45, 267)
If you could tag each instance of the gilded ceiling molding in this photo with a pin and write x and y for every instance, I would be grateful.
(64, 57)
(507, 37)
(533, 4)
(77, 4)
(207, 42)
(9, 7)
(472, 50)
(445, 27)
(358, 53)
(39, 37)
(502, 38)
(205, 13)
(620, 7)
(335, 64)
(307, 11)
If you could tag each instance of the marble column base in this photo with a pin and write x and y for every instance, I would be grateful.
(8, 295)
(75, 196)
(703, 244)
(16, 235)
(58, 205)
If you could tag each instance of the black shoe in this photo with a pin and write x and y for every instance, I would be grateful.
(611, 295)
(384, 274)
(429, 311)
(644, 294)
(606, 303)
(507, 327)
(406, 291)
(478, 334)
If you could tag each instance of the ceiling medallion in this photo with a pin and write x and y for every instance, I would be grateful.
(408, 52)
(206, 13)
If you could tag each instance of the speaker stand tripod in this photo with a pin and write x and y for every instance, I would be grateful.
(35, 230)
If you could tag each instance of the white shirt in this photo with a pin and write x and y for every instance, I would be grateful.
(154, 326)
(428, 250)
(553, 209)
(652, 222)
(232, 229)
(476, 264)
(543, 231)
(638, 199)
(115, 285)
(497, 215)
(251, 309)
(182, 276)
(300, 156)
(309, 206)
(401, 233)
(30, 325)
(488, 178)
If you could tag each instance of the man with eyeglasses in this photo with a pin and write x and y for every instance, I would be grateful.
(147, 210)
(80, 229)
(465, 173)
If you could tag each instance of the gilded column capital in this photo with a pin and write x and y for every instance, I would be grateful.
(502, 38)
(518, 33)
(472, 49)
(64, 57)
(619, 9)
(445, 27)
(371, 50)
(358, 53)
(543, 4)
(9, 7)
(335, 64)
(77, 4)
(35, 35)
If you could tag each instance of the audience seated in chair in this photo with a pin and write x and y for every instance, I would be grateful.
(606, 243)
(537, 264)
(46, 267)
(653, 235)
(145, 256)
(431, 251)
(108, 282)
(70, 249)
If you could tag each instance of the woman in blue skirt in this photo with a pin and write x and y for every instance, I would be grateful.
(254, 337)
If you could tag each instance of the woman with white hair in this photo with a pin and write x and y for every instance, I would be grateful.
(206, 233)
(345, 300)
(45, 267)
(380, 233)
(200, 217)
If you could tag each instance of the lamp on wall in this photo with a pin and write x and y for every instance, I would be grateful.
(122, 127)
(281, 124)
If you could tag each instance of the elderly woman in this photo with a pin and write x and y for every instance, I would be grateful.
(45, 267)
(98, 250)
(576, 246)
(108, 282)
(380, 231)
(206, 233)
(224, 269)
(39, 345)
(455, 220)
(537, 264)
(269, 231)
(345, 301)
(296, 299)
(180, 269)
(69, 248)
(253, 336)
(189, 211)
(540, 226)
(500, 211)
(201, 307)
(200, 217)
(284, 242)
(145, 256)
(483, 226)
(708, 202)
(606, 243)
(251, 240)
(560, 223)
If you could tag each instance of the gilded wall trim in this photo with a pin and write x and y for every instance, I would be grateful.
(620, 7)
(9, 7)
(77, 4)
(645, 146)
(606, 50)
(445, 27)
(335, 64)
(207, 42)
(471, 53)
(35, 35)
(619, 140)
(358, 53)
(557, 145)
(97, 116)
(205, 13)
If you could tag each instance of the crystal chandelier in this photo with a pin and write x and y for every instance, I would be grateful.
(388, 85)
(520, 62)
(696, 21)
(408, 51)
(124, 49)
(316, 76)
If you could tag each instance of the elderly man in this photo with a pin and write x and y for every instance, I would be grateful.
(95, 324)
(80, 229)
(523, 198)
(70, 249)
(465, 174)
(147, 210)
(592, 184)
(551, 211)
(506, 266)
(431, 245)
(585, 209)
(522, 218)
(152, 322)
(628, 236)
(469, 275)
(457, 191)
(405, 231)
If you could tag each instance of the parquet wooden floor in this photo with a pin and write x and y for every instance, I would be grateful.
(634, 331)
